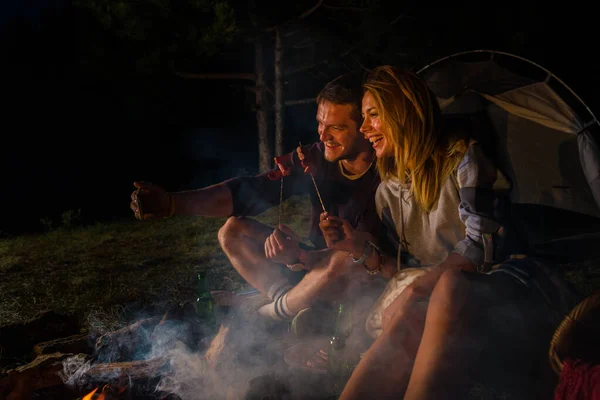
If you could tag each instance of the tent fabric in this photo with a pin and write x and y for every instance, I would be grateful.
(484, 77)
(539, 103)
(540, 141)
(590, 161)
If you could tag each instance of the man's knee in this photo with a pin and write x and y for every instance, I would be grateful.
(340, 265)
(230, 232)
(238, 231)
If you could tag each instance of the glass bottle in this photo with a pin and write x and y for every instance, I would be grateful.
(205, 304)
(339, 363)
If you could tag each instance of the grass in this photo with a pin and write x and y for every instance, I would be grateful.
(109, 272)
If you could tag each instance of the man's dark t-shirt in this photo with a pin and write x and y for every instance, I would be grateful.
(353, 200)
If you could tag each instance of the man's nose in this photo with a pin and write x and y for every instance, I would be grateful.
(324, 135)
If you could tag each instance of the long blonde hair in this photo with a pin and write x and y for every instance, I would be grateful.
(422, 155)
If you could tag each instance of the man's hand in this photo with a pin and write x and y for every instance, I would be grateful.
(150, 201)
(284, 163)
(282, 246)
(306, 163)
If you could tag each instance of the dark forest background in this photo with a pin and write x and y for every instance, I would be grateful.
(97, 93)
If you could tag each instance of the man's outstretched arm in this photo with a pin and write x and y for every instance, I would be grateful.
(150, 201)
(212, 201)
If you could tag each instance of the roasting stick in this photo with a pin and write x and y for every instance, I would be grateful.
(315, 183)
(281, 201)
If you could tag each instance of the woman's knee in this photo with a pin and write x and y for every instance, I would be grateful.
(451, 290)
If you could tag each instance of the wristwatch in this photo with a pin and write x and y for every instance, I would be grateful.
(298, 265)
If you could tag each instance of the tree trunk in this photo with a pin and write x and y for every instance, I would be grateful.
(278, 94)
(265, 155)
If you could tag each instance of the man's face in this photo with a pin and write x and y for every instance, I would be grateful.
(339, 132)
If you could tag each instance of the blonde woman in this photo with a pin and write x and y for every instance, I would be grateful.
(448, 330)
(437, 202)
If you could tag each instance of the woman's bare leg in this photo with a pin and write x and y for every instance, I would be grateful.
(450, 309)
(485, 335)
(384, 370)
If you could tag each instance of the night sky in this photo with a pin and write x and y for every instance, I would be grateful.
(80, 122)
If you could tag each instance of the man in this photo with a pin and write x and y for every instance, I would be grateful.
(342, 165)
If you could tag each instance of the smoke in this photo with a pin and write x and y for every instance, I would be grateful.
(74, 369)
(199, 362)
(239, 353)
(189, 376)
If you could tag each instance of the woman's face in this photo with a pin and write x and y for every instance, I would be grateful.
(372, 127)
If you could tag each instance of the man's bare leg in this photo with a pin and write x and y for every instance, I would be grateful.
(242, 240)
(328, 279)
(331, 276)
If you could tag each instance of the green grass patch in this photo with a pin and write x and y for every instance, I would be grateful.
(112, 271)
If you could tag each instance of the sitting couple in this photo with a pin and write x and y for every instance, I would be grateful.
(409, 202)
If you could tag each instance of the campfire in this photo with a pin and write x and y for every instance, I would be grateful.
(109, 366)
(168, 357)
(108, 392)
(119, 392)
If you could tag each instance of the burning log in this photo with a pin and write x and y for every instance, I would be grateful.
(243, 347)
(124, 343)
(43, 372)
(179, 324)
(215, 352)
(134, 370)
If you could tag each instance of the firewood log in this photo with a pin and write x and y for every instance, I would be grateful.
(70, 344)
(141, 369)
(41, 373)
(124, 343)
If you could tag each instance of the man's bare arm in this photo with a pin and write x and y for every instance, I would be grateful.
(212, 201)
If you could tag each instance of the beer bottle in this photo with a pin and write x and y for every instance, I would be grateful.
(339, 363)
(205, 304)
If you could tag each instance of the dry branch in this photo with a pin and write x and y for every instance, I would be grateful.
(70, 344)
(139, 369)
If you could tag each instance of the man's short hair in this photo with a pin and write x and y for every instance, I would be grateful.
(345, 89)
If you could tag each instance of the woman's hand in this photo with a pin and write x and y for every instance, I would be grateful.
(352, 240)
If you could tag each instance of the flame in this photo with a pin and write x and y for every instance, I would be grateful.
(90, 395)
(105, 395)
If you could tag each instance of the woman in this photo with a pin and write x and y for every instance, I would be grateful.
(438, 199)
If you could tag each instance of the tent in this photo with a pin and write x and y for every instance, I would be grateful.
(543, 137)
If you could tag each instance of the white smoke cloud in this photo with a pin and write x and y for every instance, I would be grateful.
(249, 351)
